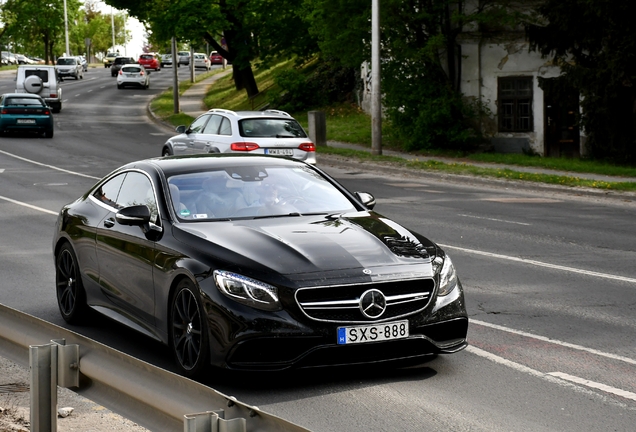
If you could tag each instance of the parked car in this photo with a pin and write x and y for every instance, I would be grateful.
(133, 75)
(20, 112)
(119, 62)
(166, 59)
(254, 263)
(83, 62)
(22, 59)
(216, 58)
(201, 61)
(268, 132)
(69, 67)
(150, 61)
(110, 58)
(41, 80)
(10, 57)
(184, 57)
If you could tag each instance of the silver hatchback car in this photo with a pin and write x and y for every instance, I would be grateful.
(269, 132)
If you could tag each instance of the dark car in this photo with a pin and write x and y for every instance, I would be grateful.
(25, 112)
(254, 263)
(119, 62)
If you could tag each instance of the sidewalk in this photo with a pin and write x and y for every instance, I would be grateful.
(192, 104)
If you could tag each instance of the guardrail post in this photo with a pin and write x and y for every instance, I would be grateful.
(212, 421)
(51, 365)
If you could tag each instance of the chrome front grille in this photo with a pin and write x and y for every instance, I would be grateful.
(342, 303)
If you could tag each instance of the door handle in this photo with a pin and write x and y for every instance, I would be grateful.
(109, 223)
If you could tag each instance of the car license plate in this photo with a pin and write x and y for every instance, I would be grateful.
(26, 121)
(280, 152)
(373, 333)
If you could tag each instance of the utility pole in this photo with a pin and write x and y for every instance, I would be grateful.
(68, 52)
(175, 77)
(376, 94)
(112, 25)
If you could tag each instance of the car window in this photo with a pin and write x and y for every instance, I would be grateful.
(23, 101)
(213, 125)
(254, 192)
(43, 74)
(198, 124)
(131, 69)
(262, 128)
(108, 192)
(226, 127)
(66, 61)
(137, 190)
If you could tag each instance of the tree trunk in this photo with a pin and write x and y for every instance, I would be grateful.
(244, 77)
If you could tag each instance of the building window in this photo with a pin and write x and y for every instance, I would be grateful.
(515, 104)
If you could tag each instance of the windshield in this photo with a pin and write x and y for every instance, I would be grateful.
(254, 192)
(271, 128)
(66, 61)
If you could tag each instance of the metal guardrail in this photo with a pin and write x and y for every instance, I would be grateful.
(150, 396)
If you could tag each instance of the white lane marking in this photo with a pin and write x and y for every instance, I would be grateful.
(542, 264)
(555, 341)
(49, 166)
(553, 377)
(608, 389)
(29, 205)
(1, 170)
(79, 94)
(493, 219)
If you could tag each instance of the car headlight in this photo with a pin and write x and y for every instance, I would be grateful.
(247, 291)
(447, 275)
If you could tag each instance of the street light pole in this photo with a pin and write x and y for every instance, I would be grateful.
(68, 52)
(112, 24)
(376, 95)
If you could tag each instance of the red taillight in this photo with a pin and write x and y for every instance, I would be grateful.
(5, 111)
(243, 146)
(53, 95)
(308, 147)
(141, 73)
(46, 112)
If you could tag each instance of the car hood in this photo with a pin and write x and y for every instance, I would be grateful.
(309, 244)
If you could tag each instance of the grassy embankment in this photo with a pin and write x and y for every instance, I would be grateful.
(347, 123)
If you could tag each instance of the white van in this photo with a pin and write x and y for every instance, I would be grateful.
(41, 80)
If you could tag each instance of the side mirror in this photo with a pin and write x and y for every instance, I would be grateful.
(366, 198)
(137, 215)
(180, 129)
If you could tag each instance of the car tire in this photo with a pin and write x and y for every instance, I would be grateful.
(119, 86)
(48, 134)
(71, 297)
(166, 152)
(33, 84)
(57, 107)
(189, 338)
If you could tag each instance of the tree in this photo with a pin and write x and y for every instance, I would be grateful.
(594, 43)
(37, 23)
(252, 30)
(420, 58)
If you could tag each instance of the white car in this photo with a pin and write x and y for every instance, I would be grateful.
(201, 61)
(133, 75)
(183, 58)
(268, 132)
(69, 67)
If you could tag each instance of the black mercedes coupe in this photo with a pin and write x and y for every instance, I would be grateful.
(254, 263)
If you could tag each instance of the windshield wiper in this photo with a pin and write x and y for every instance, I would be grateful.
(285, 136)
(277, 216)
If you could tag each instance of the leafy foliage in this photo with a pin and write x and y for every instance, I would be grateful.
(594, 43)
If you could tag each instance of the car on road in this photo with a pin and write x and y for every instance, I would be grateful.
(254, 263)
(119, 62)
(216, 58)
(83, 62)
(41, 80)
(133, 75)
(269, 132)
(69, 67)
(150, 61)
(201, 61)
(25, 112)
(183, 57)
(110, 58)
(166, 59)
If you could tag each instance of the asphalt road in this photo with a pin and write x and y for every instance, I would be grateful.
(550, 284)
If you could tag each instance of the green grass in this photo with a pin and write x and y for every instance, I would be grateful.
(346, 122)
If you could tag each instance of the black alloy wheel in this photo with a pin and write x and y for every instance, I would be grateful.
(71, 297)
(188, 331)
